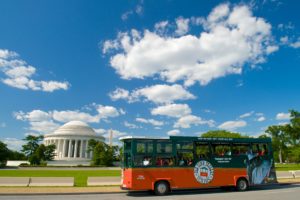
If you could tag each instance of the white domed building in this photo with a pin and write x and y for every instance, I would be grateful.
(71, 141)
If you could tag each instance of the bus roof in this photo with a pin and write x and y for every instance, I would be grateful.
(200, 139)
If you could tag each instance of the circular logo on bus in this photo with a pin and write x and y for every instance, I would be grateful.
(203, 172)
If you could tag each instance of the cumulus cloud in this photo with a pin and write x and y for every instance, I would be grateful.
(231, 39)
(232, 125)
(120, 93)
(283, 116)
(248, 114)
(18, 74)
(158, 94)
(130, 125)
(172, 110)
(149, 121)
(173, 132)
(261, 119)
(182, 26)
(13, 143)
(138, 10)
(189, 120)
(46, 122)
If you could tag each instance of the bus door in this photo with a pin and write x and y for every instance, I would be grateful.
(261, 168)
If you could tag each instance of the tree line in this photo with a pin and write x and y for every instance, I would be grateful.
(285, 143)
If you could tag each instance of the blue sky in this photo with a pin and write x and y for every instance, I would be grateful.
(147, 68)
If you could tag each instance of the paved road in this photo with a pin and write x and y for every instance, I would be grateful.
(286, 192)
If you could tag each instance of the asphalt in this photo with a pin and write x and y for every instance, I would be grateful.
(88, 190)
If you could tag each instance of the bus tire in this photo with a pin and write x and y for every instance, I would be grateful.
(242, 184)
(161, 188)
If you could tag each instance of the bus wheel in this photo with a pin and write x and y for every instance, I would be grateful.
(161, 188)
(242, 184)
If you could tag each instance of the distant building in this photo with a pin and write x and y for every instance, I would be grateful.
(71, 141)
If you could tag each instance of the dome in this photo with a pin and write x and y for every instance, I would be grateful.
(75, 128)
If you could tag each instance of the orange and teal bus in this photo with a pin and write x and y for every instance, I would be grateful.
(166, 164)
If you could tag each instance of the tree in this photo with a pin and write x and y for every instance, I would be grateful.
(222, 134)
(279, 139)
(45, 153)
(4, 154)
(15, 155)
(37, 153)
(103, 154)
(32, 144)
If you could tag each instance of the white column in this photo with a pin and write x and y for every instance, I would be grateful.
(81, 149)
(86, 148)
(59, 148)
(75, 150)
(64, 148)
(70, 147)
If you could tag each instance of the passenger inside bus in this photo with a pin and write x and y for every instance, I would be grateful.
(159, 161)
(146, 161)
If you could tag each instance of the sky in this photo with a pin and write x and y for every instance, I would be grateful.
(147, 68)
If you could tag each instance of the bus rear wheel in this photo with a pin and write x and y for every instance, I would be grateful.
(161, 188)
(242, 184)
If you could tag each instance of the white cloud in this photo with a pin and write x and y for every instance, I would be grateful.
(261, 119)
(35, 115)
(18, 74)
(108, 111)
(284, 40)
(43, 126)
(173, 132)
(232, 125)
(283, 116)
(157, 93)
(248, 114)
(149, 121)
(189, 120)
(100, 131)
(296, 44)
(71, 115)
(119, 93)
(138, 10)
(115, 133)
(172, 110)
(271, 49)
(160, 27)
(130, 125)
(13, 143)
(46, 122)
(232, 38)
(182, 26)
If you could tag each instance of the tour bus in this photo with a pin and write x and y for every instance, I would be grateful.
(177, 162)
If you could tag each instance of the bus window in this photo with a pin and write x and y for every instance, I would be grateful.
(127, 160)
(260, 149)
(164, 161)
(221, 149)
(240, 149)
(164, 147)
(184, 145)
(144, 147)
(127, 145)
(141, 147)
(185, 158)
(202, 150)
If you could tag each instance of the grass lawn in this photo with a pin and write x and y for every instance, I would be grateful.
(80, 176)
(287, 167)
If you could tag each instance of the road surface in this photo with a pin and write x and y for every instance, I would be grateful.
(283, 192)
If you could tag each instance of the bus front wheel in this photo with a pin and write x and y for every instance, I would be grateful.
(242, 184)
(161, 188)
